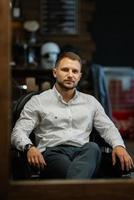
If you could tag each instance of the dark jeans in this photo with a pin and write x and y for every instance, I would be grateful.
(69, 162)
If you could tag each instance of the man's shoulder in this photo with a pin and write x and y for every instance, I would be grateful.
(86, 96)
(88, 99)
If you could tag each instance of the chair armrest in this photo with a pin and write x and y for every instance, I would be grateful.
(20, 169)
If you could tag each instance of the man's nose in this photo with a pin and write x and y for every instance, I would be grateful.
(70, 73)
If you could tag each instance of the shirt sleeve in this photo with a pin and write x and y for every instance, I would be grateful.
(28, 120)
(106, 127)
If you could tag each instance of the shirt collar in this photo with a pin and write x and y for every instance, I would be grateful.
(59, 96)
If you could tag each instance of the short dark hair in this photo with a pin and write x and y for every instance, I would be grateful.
(70, 55)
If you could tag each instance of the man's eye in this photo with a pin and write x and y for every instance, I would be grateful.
(65, 69)
(75, 71)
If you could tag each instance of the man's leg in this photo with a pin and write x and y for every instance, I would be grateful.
(85, 163)
(57, 162)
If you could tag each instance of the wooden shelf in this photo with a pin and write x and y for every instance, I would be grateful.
(29, 71)
(38, 73)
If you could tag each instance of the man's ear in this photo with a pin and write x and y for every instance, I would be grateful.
(80, 76)
(54, 72)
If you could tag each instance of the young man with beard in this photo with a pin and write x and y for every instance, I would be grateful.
(62, 119)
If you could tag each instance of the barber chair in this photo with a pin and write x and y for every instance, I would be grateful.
(20, 168)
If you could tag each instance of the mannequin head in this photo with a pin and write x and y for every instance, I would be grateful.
(49, 54)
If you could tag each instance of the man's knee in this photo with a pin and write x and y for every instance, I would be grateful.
(93, 147)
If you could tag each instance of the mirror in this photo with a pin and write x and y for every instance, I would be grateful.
(62, 190)
(30, 71)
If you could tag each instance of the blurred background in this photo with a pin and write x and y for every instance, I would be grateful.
(101, 32)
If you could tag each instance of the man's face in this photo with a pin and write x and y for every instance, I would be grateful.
(67, 73)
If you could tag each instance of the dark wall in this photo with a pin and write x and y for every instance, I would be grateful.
(113, 32)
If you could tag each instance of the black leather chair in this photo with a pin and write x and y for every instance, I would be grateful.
(20, 168)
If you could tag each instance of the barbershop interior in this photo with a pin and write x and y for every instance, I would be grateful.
(100, 32)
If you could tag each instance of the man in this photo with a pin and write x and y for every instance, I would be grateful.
(62, 119)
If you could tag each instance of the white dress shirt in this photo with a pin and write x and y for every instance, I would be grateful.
(56, 122)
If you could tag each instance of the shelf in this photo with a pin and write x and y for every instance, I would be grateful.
(32, 72)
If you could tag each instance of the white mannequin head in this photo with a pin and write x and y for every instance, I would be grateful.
(49, 54)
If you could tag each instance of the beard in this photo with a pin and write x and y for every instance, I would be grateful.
(66, 86)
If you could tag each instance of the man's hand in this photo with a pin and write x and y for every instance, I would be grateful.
(35, 158)
(124, 157)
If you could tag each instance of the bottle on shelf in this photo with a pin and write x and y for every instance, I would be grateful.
(16, 9)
